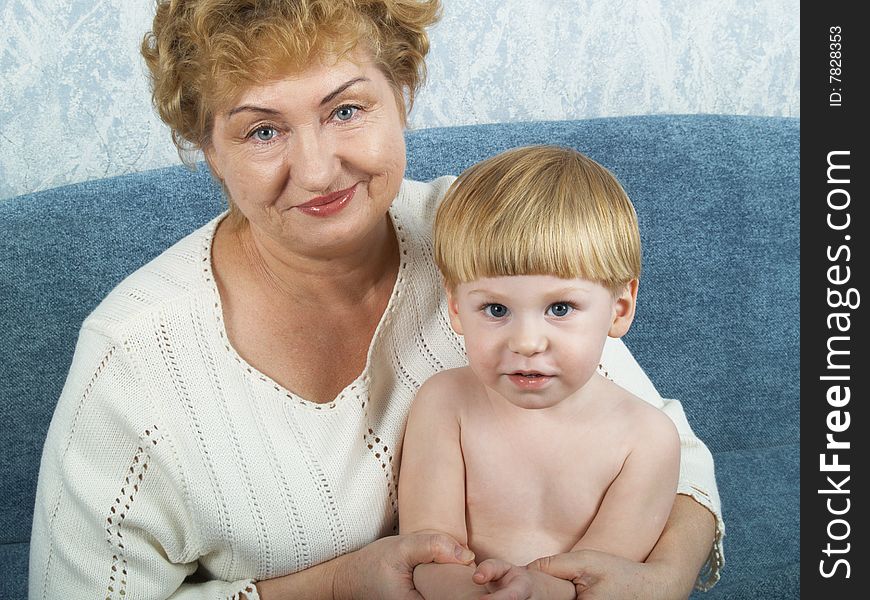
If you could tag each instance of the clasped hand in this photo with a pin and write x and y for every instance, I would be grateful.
(592, 575)
(384, 569)
(505, 581)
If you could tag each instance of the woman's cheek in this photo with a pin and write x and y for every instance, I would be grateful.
(389, 168)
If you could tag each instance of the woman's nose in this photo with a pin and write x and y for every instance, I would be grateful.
(313, 163)
(527, 341)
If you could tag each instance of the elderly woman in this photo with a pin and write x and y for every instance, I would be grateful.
(233, 417)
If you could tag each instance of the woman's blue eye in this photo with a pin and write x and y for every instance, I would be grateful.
(345, 113)
(496, 311)
(560, 309)
(265, 134)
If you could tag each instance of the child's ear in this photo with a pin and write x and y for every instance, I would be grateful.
(453, 312)
(623, 310)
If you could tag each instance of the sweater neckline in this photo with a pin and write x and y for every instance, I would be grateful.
(360, 383)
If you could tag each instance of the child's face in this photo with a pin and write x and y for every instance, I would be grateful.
(537, 339)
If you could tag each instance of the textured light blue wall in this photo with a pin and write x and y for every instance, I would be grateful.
(74, 103)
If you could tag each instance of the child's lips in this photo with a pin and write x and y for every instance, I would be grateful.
(529, 380)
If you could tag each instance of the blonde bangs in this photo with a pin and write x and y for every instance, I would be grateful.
(540, 210)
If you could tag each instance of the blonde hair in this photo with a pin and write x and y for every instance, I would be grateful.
(537, 210)
(202, 53)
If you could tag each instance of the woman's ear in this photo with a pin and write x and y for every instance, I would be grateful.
(453, 311)
(208, 153)
(623, 310)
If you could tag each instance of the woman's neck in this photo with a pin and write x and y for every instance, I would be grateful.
(341, 276)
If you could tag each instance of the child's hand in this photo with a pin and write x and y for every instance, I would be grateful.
(503, 580)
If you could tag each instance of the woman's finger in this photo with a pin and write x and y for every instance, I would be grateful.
(563, 566)
(576, 567)
(434, 547)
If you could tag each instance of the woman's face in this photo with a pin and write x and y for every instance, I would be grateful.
(313, 160)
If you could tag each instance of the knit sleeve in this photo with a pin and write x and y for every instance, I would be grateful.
(111, 518)
(697, 476)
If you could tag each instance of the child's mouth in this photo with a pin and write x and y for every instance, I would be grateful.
(529, 380)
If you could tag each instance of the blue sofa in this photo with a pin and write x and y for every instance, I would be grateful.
(717, 326)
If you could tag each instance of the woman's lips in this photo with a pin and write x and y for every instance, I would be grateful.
(324, 206)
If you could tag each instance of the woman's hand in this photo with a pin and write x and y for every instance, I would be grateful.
(669, 572)
(600, 575)
(384, 569)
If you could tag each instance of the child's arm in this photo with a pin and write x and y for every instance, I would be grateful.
(432, 474)
(432, 484)
(636, 506)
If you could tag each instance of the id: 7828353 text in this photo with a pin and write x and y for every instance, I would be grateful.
(835, 65)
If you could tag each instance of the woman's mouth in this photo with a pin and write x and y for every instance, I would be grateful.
(329, 204)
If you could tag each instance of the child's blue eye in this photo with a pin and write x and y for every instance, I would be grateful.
(560, 309)
(496, 311)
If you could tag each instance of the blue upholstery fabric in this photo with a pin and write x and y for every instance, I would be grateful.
(717, 325)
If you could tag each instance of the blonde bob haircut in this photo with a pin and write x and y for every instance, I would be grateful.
(537, 210)
(202, 53)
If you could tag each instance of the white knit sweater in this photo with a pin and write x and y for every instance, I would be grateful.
(168, 454)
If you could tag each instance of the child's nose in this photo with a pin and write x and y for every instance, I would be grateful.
(527, 341)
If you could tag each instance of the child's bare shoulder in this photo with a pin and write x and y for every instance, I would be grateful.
(449, 379)
(643, 421)
(448, 389)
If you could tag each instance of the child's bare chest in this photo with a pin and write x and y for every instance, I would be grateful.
(532, 490)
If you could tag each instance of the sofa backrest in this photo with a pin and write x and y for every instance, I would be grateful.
(717, 326)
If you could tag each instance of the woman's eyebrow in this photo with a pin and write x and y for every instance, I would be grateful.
(331, 95)
(272, 112)
(253, 108)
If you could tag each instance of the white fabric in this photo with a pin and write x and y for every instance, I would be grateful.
(168, 454)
